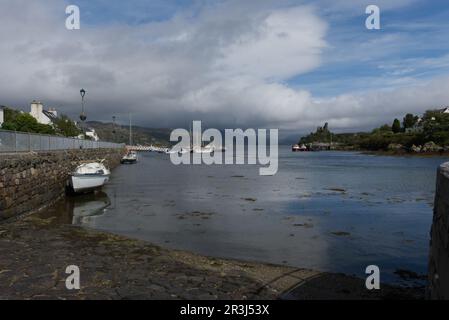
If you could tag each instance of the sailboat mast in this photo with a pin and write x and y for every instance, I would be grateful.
(130, 131)
(191, 136)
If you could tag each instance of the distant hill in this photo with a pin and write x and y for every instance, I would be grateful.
(141, 135)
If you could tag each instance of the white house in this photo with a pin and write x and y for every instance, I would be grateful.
(90, 132)
(445, 110)
(417, 127)
(41, 115)
(2, 117)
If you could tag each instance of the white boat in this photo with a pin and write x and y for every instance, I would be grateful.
(299, 148)
(206, 149)
(89, 176)
(213, 147)
(178, 151)
(210, 148)
(130, 157)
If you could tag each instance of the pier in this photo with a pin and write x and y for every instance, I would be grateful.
(34, 168)
(146, 148)
(439, 245)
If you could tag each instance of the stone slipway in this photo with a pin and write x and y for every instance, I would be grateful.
(35, 253)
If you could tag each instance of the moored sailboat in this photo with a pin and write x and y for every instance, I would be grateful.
(131, 156)
(88, 177)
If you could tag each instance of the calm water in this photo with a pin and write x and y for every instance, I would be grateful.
(331, 211)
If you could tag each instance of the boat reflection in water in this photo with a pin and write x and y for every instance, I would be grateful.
(79, 209)
(85, 210)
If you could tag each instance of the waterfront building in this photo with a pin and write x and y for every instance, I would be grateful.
(42, 116)
(90, 132)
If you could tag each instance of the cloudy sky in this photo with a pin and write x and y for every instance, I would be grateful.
(288, 64)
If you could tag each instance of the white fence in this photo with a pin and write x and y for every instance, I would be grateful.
(11, 141)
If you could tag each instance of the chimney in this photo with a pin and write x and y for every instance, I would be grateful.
(36, 110)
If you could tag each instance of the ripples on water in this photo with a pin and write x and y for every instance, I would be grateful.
(331, 211)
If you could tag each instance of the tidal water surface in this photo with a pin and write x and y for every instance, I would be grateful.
(330, 211)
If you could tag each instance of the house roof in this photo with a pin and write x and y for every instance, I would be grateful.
(49, 115)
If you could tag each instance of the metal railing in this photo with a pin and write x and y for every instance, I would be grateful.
(12, 141)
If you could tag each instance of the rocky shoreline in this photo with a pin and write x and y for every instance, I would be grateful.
(36, 252)
(399, 150)
(403, 153)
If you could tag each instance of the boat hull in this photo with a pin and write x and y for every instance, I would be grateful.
(128, 161)
(87, 183)
(300, 150)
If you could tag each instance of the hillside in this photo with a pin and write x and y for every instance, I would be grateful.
(141, 135)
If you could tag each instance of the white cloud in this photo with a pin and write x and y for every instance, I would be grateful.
(286, 43)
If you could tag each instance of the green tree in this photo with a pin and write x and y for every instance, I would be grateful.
(436, 127)
(66, 127)
(409, 120)
(24, 122)
(383, 129)
(10, 114)
(396, 127)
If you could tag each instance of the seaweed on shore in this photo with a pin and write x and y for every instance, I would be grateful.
(405, 274)
(305, 225)
(341, 233)
(337, 190)
(195, 214)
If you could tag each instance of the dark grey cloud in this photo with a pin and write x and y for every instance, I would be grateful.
(226, 64)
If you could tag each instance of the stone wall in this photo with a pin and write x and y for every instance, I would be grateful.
(439, 244)
(31, 181)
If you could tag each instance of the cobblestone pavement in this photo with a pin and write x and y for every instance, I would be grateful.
(34, 254)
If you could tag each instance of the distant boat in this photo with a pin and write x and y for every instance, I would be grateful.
(210, 148)
(130, 157)
(299, 148)
(206, 149)
(179, 151)
(89, 177)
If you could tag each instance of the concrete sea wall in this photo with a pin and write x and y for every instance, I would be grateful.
(31, 181)
(439, 244)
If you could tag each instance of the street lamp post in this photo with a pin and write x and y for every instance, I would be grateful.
(113, 129)
(82, 115)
